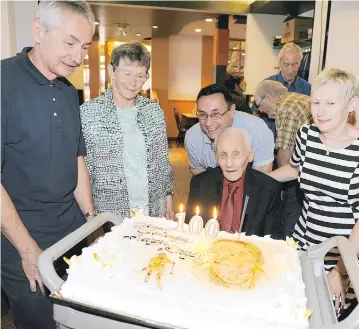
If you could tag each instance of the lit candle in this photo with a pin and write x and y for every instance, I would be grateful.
(212, 226)
(196, 223)
(180, 219)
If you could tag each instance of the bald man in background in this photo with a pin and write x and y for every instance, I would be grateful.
(228, 186)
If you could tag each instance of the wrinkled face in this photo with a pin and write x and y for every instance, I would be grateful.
(128, 78)
(233, 156)
(330, 109)
(213, 105)
(63, 47)
(266, 104)
(289, 65)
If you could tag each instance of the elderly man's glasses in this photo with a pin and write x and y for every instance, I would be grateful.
(128, 76)
(259, 104)
(203, 116)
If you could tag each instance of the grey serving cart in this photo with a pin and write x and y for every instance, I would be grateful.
(69, 314)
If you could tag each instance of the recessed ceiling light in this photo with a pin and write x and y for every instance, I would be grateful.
(209, 19)
(97, 23)
(234, 47)
(198, 30)
(243, 54)
(138, 34)
(154, 26)
(229, 62)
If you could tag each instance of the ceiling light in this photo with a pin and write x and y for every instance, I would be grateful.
(229, 62)
(97, 23)
(234, 47)
(209, 19)
(154, 26)
(138, 34)
(243, 54)
(198, 30)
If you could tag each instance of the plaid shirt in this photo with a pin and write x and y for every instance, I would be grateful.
(293, 111)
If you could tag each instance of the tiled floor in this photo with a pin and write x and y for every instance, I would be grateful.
(182, 176)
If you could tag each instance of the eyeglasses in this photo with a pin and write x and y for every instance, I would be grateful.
(202, 116)
(259, 104)
(128, 76)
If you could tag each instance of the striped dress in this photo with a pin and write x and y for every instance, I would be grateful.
(330, 182)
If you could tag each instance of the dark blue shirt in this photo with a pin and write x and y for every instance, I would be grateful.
(299, 86)
(41, 140)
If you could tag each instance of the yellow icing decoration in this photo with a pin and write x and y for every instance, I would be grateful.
(308, 313)
(67, 261)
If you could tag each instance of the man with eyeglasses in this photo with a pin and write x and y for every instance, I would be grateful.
(216, 111)
(290, 111)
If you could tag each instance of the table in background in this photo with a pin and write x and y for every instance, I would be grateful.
(188, 120)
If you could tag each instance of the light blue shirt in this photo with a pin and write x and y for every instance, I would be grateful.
(134, 158)
(200, 148)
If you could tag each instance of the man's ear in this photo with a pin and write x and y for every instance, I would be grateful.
(251, 155)
(269, 96)
(37, 30)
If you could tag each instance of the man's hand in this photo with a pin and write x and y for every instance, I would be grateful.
(29, 264)
(170, 211)
(338, 286)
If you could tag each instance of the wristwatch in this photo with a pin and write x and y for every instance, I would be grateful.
(170, 193)
(89, 214)
(344, 275)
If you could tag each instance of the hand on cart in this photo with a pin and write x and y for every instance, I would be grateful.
(338, 285)
(29, 260)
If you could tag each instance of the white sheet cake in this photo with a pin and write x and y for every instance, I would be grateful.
(111, 275)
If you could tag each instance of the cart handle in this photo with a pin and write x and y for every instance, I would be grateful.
(346, 249)
(46, 260)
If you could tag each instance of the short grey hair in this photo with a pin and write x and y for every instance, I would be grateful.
(134, 51)
(346, 80)
(48, 12)
(290, 47)
(232, 132)
(271, 87)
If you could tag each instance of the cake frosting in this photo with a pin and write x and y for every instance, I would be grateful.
(113, 274)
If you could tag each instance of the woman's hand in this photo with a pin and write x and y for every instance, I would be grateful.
(170, 211)
(338, 286)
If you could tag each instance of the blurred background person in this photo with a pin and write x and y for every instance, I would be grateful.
(237, 86)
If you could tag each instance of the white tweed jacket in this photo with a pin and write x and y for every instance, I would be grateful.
(104, 145)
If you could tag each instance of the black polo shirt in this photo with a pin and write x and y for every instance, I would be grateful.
(41, 139)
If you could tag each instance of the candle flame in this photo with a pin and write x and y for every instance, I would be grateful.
(214, 213)
(181, 207)
(197, 210)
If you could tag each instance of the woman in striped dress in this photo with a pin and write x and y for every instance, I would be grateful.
(326, 163)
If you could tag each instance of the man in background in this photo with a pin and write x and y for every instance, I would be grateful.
(216, 111)
(289, 59)
(290, 111)
(45, 192)
(235, 84)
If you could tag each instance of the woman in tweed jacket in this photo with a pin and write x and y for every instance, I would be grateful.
(126, 141)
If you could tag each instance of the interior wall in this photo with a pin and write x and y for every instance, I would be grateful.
(161, 84)
(8, 39)
(343, 40)
(185, 62)
(207, 70)
(320, 21)
(261, 58)
(77, 78)
(24, 14)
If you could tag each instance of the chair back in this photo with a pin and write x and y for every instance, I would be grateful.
(178, 119)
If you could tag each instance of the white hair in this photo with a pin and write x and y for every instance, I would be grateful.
(346, 80)
(232, 132)
(271, 87)
(48, 12)
(290, 47)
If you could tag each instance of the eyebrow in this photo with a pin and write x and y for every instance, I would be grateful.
(78, 40)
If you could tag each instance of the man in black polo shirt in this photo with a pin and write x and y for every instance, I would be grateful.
(45, 192)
